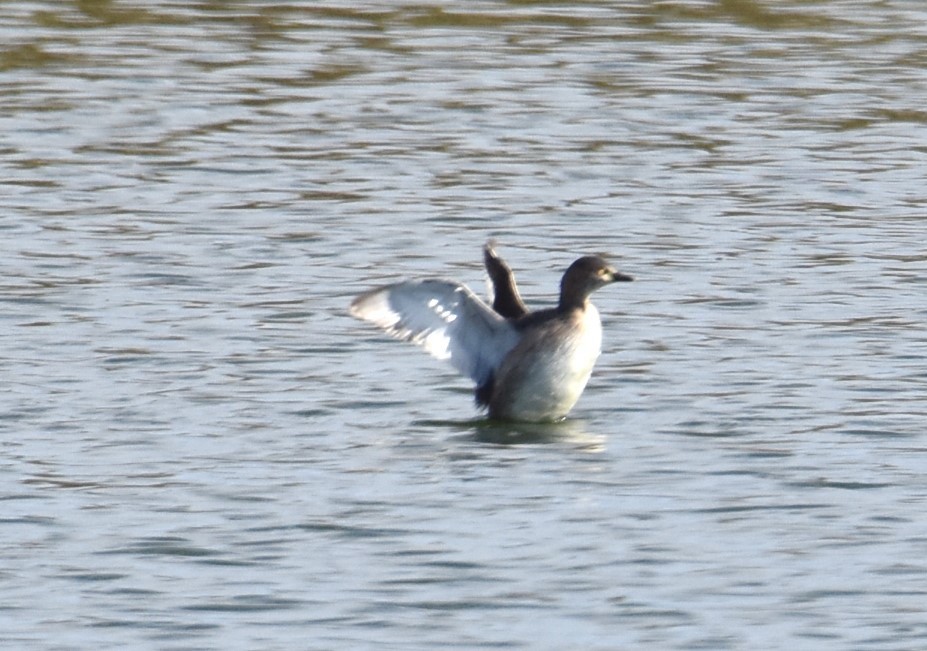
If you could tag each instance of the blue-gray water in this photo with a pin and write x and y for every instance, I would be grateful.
(201, 450)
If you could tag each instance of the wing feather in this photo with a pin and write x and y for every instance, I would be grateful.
(446, 319)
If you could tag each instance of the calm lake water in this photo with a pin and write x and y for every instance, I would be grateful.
(201, 450)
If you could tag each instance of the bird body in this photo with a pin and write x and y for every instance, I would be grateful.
(527, 366)
(543, 376)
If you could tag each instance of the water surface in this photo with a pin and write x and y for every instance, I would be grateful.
(202, 450)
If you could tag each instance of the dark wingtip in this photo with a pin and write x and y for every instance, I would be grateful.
(483, 392)
(507, 302)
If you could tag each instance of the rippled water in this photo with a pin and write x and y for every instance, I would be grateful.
(201, 450)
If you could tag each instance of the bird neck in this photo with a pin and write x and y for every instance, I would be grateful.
(570, 301)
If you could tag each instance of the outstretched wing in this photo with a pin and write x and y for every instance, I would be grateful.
(446, 319)
(506, 299)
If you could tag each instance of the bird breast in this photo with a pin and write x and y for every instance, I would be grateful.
(545, 374)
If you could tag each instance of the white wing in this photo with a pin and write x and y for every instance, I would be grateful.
(446, 319)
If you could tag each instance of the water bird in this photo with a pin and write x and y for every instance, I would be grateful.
(527, 366)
